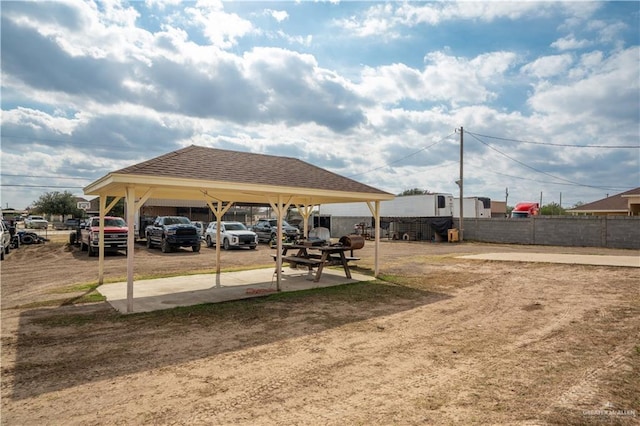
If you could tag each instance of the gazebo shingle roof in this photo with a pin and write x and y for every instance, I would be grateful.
(212, 164)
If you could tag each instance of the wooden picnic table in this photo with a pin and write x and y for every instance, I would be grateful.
(318, 257)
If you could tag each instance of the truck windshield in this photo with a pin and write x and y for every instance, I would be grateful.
(235, 227)
(110, 222)
(274, 223)
(176, 220)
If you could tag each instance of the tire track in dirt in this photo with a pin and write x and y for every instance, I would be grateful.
(585, 393)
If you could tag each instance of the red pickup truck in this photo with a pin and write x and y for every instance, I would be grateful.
(115, 235)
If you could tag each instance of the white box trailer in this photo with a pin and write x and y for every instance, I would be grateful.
(474, 207)
(428, 205)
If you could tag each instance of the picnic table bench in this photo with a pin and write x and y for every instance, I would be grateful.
(329, 255)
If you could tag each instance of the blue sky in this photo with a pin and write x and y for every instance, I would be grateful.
(547, 92)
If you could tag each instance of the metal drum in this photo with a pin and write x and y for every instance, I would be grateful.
(352, 241)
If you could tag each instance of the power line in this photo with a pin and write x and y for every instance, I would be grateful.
(66, 143)
(40, 186)
(557, 144)
(533, 168)
(403, 158)
(543, 181)
(42, 176)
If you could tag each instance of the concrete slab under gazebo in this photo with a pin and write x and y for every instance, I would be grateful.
(223, 178)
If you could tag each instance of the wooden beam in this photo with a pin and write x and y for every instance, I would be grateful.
(132, 208)
(218, 212)
(102, 212)
(305, 211)
(375, 211)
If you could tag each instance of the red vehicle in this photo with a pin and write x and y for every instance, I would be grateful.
(115, 235)
(525, 210)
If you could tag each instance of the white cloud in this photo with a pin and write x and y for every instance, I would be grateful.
(278, 15)
(161, 5)
(221, 29)
(548, 66)
(378, 21)
(444, 79)
(383, 20)
(608, 91)
(569, 43)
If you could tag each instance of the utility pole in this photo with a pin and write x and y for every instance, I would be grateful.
(560, 212)
(540, 199)
(461, 236)
(506, 199)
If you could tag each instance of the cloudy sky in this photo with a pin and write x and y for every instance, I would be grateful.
(547, 93)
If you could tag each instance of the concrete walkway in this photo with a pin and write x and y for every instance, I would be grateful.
(576, 259)
(188, 290)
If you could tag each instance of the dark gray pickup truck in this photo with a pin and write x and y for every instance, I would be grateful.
(172, 232)
(267, 229)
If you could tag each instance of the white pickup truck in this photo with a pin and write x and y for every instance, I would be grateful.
(36, 222)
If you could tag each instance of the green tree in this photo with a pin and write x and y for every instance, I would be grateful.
(118, 209)
(552, 209)
(57, 203)
(414, 191)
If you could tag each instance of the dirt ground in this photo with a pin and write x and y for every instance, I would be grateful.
(437, 340)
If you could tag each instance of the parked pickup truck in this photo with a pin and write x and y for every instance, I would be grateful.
(115, 235)
(267, 229)
(171, 232)
(36, 222)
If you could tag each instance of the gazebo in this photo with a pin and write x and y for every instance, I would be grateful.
(223, 178)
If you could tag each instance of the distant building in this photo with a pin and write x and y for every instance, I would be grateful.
(623, 204)
(498, 208)
(13, 214)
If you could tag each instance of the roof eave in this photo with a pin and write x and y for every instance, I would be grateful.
(115, 184)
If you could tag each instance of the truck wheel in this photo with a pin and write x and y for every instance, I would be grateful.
(72, 238)
(209, 242)
(225, 244)
(165, 247)
(91, 250)
(196, 248)
(149, 243)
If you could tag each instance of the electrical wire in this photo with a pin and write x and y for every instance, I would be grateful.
(556, 144)
(39, 186)
(533, 168)
(403, 158)
(541, 181)
(42, 176)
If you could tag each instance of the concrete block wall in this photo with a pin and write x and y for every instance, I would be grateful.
(580, 231)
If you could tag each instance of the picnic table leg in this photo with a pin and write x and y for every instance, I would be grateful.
(323, 260)
(345, 265)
